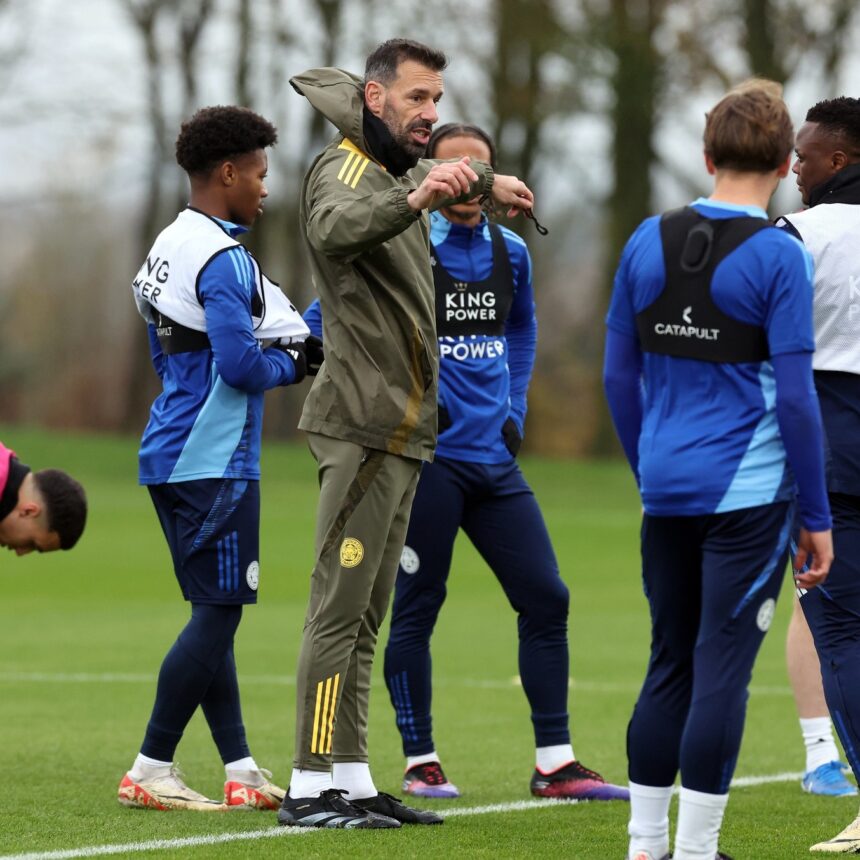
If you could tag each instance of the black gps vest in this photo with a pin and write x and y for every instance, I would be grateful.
(173, 337)
(465, 308)
(684, 321)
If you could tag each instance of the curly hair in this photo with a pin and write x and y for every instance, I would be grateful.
(217, 134)
(750, 129)
(839, 118)
(65, 504)
(461, 129)
(381, 65)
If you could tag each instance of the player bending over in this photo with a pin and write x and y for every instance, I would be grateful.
(39, 511)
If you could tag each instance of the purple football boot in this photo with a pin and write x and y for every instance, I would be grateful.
(575, 782)
(428, 780)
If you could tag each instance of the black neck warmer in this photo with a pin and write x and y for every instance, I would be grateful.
(842, 187)
(384, 148)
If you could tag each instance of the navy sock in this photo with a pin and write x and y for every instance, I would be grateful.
(186, 675)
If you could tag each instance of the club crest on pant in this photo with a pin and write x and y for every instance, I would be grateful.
(765, 614)
(351, 552)
(252, 575)
(409, 560)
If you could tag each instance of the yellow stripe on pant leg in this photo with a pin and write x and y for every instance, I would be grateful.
(316, 718)
(331, 713)
(321, 746)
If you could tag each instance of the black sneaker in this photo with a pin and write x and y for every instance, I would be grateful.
(575, 782)
(391, 807)
(330, 809)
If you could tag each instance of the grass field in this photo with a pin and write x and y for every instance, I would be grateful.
(82, 635)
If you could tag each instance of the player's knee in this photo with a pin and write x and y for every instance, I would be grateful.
(209, 634)
(409, 635)
(551, 597)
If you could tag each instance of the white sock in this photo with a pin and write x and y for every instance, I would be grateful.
(149, 768)
(649, 819)
(412, 760)
(354, 777)
(244, 770)
(548, 759)
(818, 738)
(309, 783)
(700, 816)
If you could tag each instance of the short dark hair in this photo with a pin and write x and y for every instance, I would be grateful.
(461, 129)
(839, 118)
(65, 504)
(217, 134)
(382, 64)
(750, 129)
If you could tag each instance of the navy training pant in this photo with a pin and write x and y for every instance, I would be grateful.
(711, 583)
(833, 613)
(497, 510)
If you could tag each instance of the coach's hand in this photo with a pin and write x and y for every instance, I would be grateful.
(446, 180)
(814, 550)
(512, 437)
(513, 193)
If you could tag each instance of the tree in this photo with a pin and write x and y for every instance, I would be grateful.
(188, 19)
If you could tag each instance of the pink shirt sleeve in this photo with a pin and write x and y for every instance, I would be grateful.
(6, 455)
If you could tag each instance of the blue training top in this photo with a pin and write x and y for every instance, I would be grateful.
(483, 379)
(707, 437)
(207, 421)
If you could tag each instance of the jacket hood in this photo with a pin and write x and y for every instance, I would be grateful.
(339, 96)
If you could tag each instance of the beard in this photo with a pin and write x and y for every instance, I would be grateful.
(401, 135)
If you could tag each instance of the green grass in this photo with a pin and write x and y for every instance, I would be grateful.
(111, 607)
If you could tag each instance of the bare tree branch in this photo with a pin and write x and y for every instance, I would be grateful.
(194, 15)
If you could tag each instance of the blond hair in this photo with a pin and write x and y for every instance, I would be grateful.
(749, 129)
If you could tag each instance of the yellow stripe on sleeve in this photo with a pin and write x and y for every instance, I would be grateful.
(358, 173)
(358, 161)
(349, 159)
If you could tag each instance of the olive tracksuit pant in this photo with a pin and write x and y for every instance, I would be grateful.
(365, 500)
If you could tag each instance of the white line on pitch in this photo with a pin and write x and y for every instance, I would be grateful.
(289, 681)
(748, 781)
(276, 832)
(160, 844)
